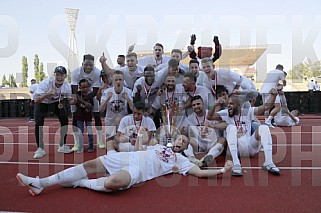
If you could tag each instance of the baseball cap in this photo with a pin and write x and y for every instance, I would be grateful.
(61, 70)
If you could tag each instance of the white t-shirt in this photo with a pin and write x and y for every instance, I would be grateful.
(317, 87)
(225, 77)
(131, 76)
(94, 80)
(272, 80)
(201, 91)
(32, 90)
(281, 119)
(146, 165)
(147, 92)
(150, 60)
(195, 125)
(128, 127)
(201, 78)
(93, 77)
(48, 84)
(242, 121)
(116, 106)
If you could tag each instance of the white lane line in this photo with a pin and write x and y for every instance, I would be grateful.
(54, 144)
(71, 164)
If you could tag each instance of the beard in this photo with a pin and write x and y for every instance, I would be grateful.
(231, 114)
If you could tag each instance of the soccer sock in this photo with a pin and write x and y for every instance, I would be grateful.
(231, 137)
(268, 120)
(189, 151)
(94, 184)
(99, 136)
(68, 175)
(216, 150)
(266, 141)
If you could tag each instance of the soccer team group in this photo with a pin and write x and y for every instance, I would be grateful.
(159, 114)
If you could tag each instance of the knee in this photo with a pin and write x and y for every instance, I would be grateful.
(221, 140)
(113, 183)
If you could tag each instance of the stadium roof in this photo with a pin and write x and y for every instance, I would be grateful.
(231, 56)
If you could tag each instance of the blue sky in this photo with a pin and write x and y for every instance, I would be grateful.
(30, 27)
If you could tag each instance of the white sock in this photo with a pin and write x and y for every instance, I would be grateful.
(99, 135)
(68, 175)
(94, 184)
(189, 151)
(216, 150)
(268, 120)
(266, 141)
(231, 137)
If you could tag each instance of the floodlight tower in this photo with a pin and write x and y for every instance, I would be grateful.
(73, 58)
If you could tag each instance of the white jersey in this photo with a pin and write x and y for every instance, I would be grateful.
(225, 77)
(201, 78)
(146, 165)
(242, 121)
(150, 60)
(317, 87)
(272, 80)
(201, 91)
(48, 84)
(282, 119)
(149, 92)
(116, 106)
(131, 76)
(94, 80)
(129, 127)
(206, 137)
(32, 90)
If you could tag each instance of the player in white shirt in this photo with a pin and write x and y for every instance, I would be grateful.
(191, 90)
(154, 60)
(238, 133)
(115, 101)
(48, 97)
(271, 81)
(132, 71)
(32, 91)
(284, 117)
(92, 74)
(129, 126)
(120, 62)
(200, 75)
(125, 168)
(231, 80)
(178, 55)
(204, 135)
(146, 87)
(171, 95)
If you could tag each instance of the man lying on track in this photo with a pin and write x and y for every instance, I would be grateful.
(125, 169)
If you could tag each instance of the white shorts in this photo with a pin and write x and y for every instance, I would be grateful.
(247, 147)
(123, 161)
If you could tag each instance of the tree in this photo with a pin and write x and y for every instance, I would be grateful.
(24, 71)
(42, 75)
(12, 81)
(305, 71)
(36, 65)
(4, 81)
(316, 69)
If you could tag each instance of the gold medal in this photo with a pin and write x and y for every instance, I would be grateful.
(146, 101)
(60, 105)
